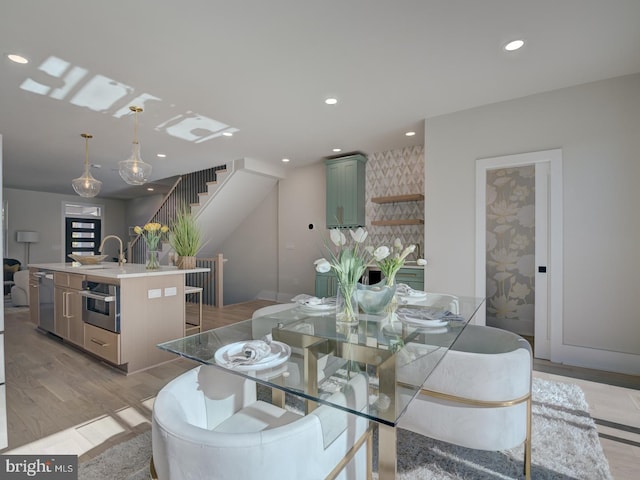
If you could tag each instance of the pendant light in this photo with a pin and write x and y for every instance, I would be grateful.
(134, 170)
(86, 185)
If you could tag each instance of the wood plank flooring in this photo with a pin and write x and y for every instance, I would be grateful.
(61, 400)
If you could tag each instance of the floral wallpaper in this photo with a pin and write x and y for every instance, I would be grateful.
(511, 249)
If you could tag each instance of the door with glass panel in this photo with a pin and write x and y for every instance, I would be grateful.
(82, 236)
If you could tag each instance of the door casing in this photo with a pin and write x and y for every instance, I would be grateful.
(548, 309)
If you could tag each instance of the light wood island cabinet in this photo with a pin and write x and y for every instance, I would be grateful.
(151, 308)
(68, 307)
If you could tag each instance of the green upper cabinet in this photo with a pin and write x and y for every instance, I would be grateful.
(345, 191)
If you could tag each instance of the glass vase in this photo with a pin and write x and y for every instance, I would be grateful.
(347, 303)
(374, 298)
(153, 260)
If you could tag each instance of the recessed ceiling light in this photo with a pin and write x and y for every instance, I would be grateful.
(17, 58)
(285, 160)
(514, 45)
(410, 134)
(150, 189)
(331, 101)
(337, 150)
(161, 155)
(227, 134)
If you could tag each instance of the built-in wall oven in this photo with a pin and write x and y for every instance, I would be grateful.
(101, 305)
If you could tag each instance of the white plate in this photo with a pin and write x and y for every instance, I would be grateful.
(423, 317)
(421, 322)
(317, 309)
(414, 294)
(280, 352)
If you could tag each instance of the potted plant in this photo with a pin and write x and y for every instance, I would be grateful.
(185, 239)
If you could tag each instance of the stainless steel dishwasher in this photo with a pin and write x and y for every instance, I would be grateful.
(46, 310)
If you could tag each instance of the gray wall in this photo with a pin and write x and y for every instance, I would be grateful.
(251, 269)
(596, 126)
(42, 212)
(138, 211)
(270, 256)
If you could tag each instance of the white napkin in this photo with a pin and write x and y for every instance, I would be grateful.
(405, 290)
(251, 352)
(428, 313)
(309, 300)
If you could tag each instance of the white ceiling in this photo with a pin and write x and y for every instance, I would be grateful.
(265, 68)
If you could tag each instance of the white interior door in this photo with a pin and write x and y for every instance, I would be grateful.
(547, 263)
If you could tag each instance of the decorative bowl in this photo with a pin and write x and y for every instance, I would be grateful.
(373, 298)
(87, 259)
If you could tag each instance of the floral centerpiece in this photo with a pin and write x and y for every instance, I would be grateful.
(152, 234)
(390, 265)
(349, 262)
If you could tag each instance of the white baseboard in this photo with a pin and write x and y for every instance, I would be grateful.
(605, 360)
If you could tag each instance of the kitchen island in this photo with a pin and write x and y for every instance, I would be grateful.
(116, 313)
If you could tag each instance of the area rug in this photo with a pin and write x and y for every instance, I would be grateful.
(565, 446)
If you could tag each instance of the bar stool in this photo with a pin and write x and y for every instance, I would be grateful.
(189, 327)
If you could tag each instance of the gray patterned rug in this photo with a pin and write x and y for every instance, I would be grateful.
(565, 446)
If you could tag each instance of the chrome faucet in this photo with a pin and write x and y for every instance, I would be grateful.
(121, 259)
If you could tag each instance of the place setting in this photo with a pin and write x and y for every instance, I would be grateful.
(311, 305)
(427, 317)
(253, 355)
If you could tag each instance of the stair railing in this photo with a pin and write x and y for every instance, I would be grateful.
(137, 250)
(184, 192)
(211, 282)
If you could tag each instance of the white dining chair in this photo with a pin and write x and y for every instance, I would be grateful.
(207, 423)
(479, 395)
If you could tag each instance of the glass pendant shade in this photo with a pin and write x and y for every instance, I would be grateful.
(134, 170)
(86, 185)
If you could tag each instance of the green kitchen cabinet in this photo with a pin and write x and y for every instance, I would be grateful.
(326, 284)
(346, 191)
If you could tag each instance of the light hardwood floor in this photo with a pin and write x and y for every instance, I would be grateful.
(60, 400)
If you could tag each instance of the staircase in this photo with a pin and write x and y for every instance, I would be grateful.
(230, 199)
(220, 199)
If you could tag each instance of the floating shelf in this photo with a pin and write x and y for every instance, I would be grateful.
(390, 223)
(413, 197)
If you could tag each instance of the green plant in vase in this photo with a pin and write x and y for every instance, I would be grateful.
(185, 238)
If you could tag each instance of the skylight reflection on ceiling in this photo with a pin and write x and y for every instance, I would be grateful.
(57, 77)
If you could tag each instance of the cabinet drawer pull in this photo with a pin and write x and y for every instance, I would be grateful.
(407, 275)
(102, 344)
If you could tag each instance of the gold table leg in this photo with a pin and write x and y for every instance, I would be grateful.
(387, 454)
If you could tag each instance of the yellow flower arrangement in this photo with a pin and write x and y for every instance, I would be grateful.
(152, 234)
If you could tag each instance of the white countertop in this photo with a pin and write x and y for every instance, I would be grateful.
(112, 270)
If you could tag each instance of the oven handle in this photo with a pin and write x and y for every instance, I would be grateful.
(97, 296)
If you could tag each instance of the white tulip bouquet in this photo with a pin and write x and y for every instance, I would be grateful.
(393, 262)
(349, 262)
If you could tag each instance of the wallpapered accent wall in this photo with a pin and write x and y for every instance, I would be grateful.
(395, 172)
(511, 249)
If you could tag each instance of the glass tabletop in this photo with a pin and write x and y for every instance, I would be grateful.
(310, 355)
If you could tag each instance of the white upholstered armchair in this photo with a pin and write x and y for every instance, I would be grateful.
(479, 396)
(207, 424)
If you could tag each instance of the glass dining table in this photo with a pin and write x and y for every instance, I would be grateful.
(312, 356)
